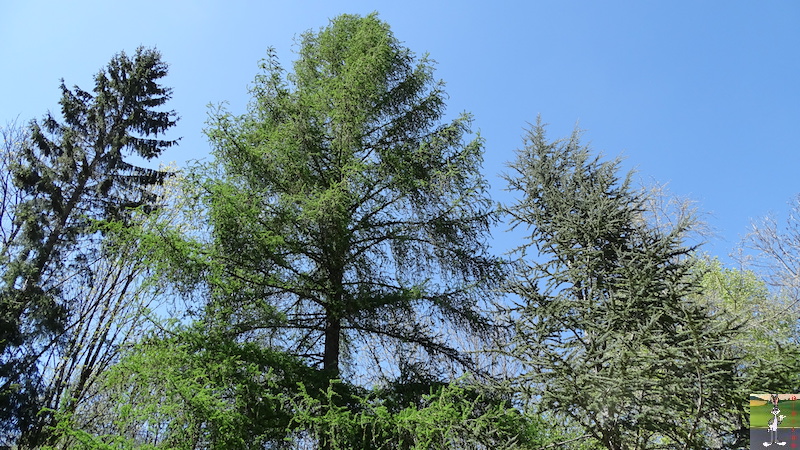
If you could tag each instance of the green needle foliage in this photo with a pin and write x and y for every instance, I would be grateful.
(195, 389)
(192, 388)
(73, 175)
(606, 321)
(452, 416)
(342, 202)
(340, 219)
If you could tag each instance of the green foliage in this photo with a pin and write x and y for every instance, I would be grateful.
(72, 175)
(342, 201)
(607, 325)
(194, 388)
(766, 349)
(339, 211)
(339, 233)
(451, 416)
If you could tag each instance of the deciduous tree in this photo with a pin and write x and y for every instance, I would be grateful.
(777, 259)
(766, 349)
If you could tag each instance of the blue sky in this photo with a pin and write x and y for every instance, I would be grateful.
(702, 95)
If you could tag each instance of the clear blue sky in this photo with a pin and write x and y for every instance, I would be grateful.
(703, 95)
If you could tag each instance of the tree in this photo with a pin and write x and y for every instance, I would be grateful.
(73, 177)
(777, 258)
(187, 386)
(455, 415)
(767, 346)
(14, 138)
(341, 208)
(766, 351)
(106, 319)
(606, 322)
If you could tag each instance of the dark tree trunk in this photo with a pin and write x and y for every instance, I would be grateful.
(330, 360)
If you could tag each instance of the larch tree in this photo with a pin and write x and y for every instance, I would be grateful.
(343, 210)
(73, 178)
(607, 321)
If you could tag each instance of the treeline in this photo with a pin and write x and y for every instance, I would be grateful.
(326, 280)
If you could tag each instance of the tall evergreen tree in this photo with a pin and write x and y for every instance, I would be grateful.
(344, 211)
(73, 175)
(607, 323)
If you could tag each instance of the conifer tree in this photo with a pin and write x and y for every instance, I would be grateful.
(74, 176)
(345, 212)
(607, 323)
(341, 216)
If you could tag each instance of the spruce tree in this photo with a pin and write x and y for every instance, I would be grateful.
(74, 177)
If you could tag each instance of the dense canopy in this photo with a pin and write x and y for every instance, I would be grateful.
(326, 280)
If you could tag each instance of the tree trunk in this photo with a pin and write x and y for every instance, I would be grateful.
(330, 359)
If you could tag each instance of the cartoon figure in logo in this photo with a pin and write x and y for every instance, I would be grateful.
(774, 422)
